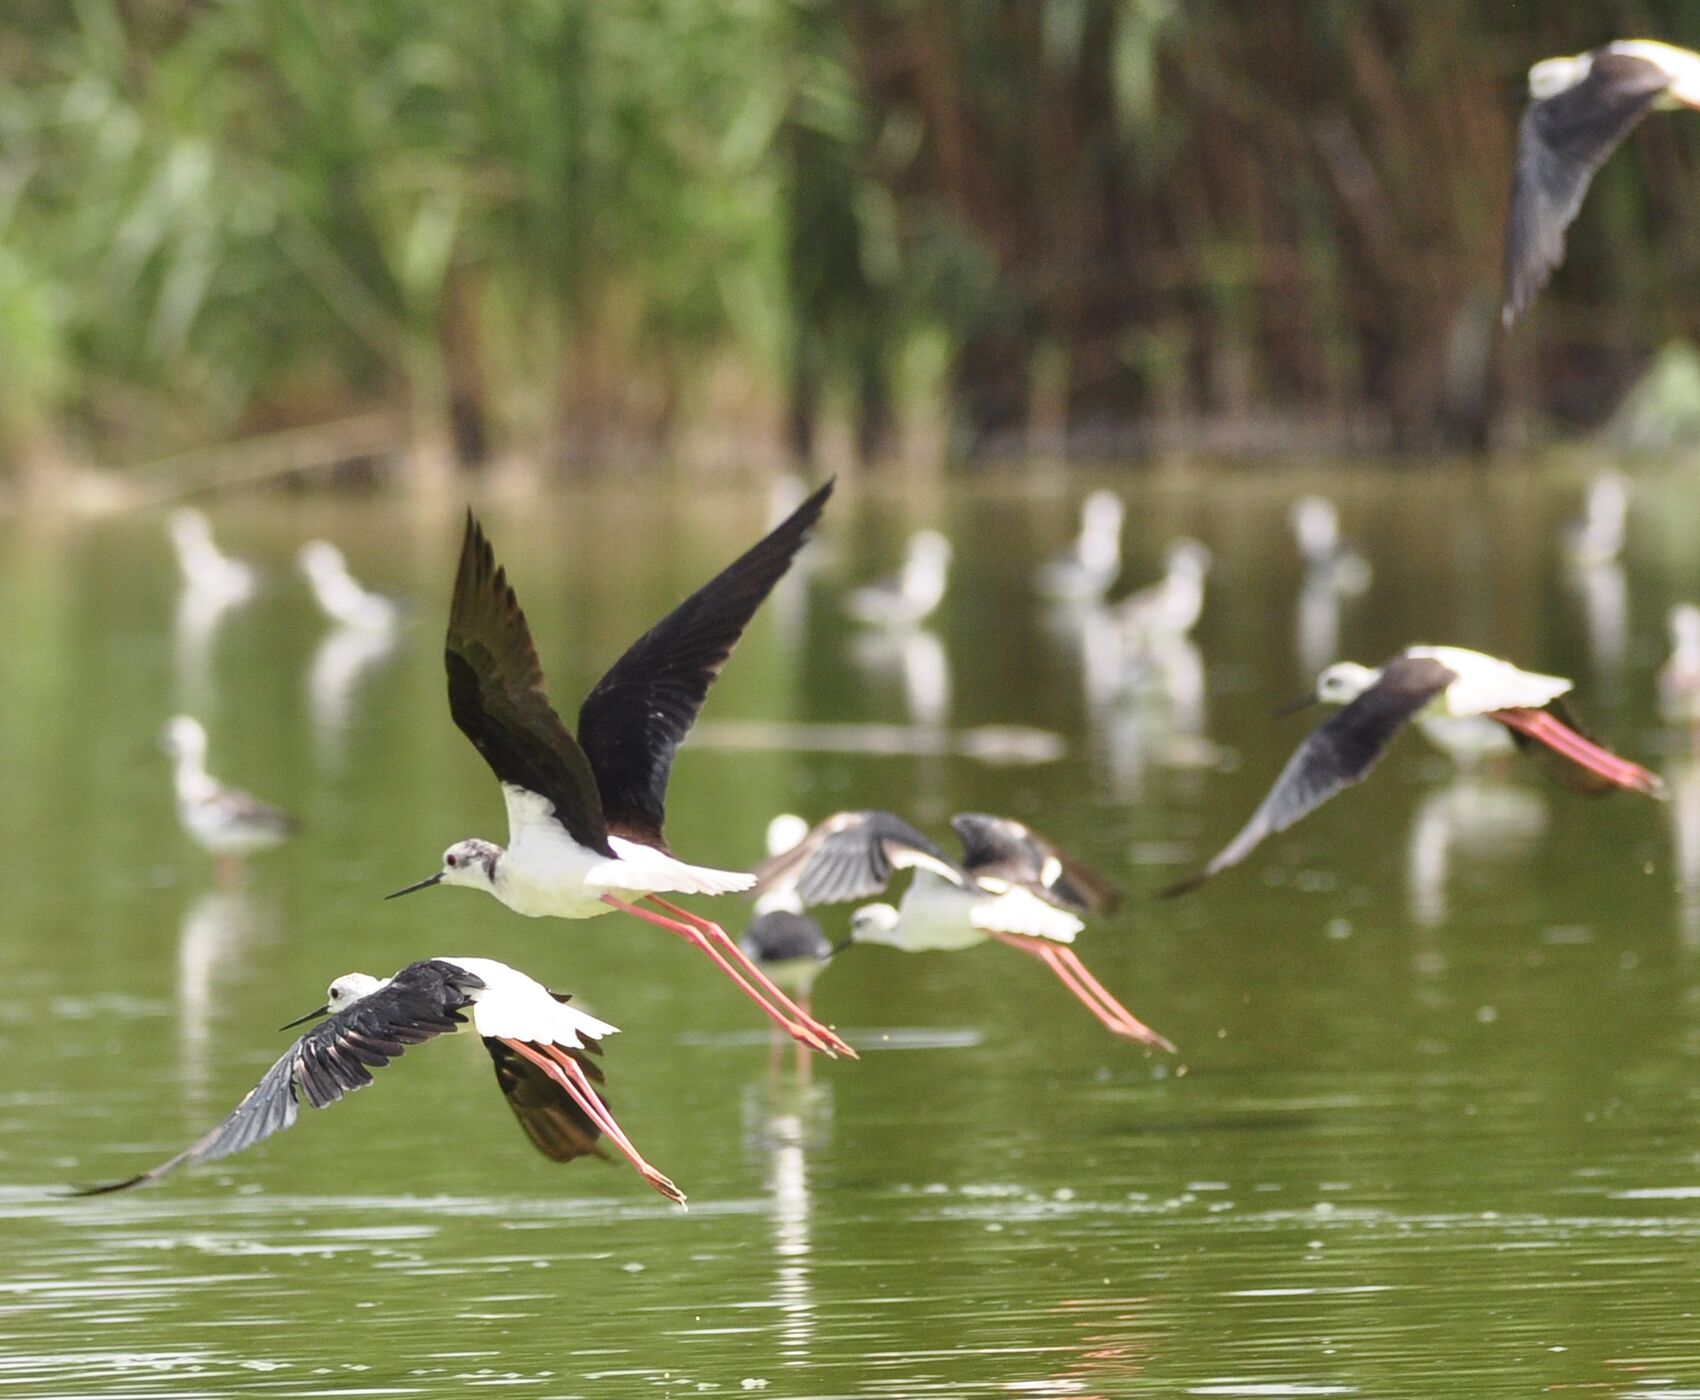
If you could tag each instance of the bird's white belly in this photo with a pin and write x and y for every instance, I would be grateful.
(937, 920)
(546, 877)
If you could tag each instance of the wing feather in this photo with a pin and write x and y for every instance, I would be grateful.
(852, 855)
(633, 722)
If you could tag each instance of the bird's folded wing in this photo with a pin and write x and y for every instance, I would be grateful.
(852, 855)
(499, 699)
(634, 720)
(996, 850)
(557, 1126)
(1562, 141)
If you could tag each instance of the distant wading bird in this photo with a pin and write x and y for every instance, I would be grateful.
(783, 939)
(911, 595)
(538, 1045)
(1423, 683)
(1580, 110)
(585, 814)
(1087, 569)
(224, 821)
(1011, 885)
(342, 597)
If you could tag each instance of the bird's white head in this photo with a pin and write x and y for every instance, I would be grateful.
(1344, 681)
(1189, 558)
(930, 547)
(471, 863)
(340, 995)
(320, 559)
(1552, 76)
(189, 529)
(1317, 525)
(1685, 626)
(184, 738)
(784, 833)
(1102, 513)
(874, 923)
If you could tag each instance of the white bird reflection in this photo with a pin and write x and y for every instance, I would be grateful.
(199, 617)
(220, 929)
(1682, 780)
(1472, 818)
(785, 1119)
(1604, 591)
(343, 658)
(1145, 701)
(916, 658)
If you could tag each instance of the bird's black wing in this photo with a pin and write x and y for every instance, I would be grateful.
(1562, 141)
(852, 855)
(633, 722)
(997, 850)
(336, 1057)
(1333, 757)
(499, 699)
(557, 1127)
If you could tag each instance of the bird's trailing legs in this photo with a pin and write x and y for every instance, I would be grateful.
(1087, 989)
(570, 1075)
(1564, 741)
(702, 934)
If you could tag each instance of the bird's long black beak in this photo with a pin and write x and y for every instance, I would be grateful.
(424, 884)
(838, 948)
(1294, 706)
(324, 1010)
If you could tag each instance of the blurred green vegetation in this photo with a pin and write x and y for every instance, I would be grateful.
(600, 232)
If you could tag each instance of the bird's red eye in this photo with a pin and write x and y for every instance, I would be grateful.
(451, 861)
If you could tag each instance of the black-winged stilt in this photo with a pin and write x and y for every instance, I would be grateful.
(1420, 682)
(1328, 558)
(1595, 537)
(1011, 885)
(224, 821)
(1088, 568)
(912, 594)
(1171, 606)
(340, 596)
(1579, 112)
(537, 1042)
(208, 573)
(585, 815)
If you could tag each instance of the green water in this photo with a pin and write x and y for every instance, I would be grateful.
(1434, 1130)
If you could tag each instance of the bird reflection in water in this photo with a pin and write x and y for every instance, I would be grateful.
(1478, 817)
(221, 928)
(344, 658)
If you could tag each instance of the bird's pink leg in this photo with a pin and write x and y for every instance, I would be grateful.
(799, 1030)
(570, 1075)
(1087, 990)
(711, 930)
(1549, 730)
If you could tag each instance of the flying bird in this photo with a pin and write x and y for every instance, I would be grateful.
(585, 814)
(783, 939)
(1579, 112)
(1424, 682)
(1011, 884)
(224, 821)
(537, 1043)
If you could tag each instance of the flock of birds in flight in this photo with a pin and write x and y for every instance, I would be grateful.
(586, 809)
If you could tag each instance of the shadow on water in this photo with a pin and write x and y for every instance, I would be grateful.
(1432, 1130)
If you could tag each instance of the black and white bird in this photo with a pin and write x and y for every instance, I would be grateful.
(1088, 568)
(208, 573)
(224, 821)
(1329, 559)
(1580, 110)
(1422, 682)
(783, 939)
(585, 814)
(911, 595)
(340, 596)
(1011, 885)
(1595, 538)
(537, 1042)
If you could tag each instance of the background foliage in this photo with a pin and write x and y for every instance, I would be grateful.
(606, 232)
